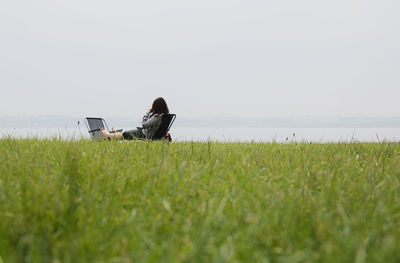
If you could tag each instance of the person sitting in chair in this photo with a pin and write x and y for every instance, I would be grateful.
(151, 122)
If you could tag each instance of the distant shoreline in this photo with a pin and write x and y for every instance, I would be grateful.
(287, 122)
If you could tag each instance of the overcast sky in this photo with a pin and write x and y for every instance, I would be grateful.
(207, 58)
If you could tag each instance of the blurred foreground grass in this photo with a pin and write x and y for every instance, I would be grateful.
(84, 201)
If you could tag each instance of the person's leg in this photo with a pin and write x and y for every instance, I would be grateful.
(114, 135)
(133, 134)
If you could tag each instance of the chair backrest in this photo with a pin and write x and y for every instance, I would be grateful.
(94, 125)
(166, 122)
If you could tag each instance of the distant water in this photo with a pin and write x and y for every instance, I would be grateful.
(229, 134)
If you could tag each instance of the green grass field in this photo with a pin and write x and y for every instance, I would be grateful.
(84, 201)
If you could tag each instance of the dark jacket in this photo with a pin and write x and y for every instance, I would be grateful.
(150, 124)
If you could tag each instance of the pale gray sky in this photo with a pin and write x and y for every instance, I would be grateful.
(207, 58)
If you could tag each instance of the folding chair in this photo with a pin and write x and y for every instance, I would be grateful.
(94, 125)
(166, 122)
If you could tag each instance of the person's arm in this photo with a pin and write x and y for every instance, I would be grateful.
(151, 122)
(146, 116)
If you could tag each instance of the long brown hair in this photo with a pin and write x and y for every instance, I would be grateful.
(159, 106)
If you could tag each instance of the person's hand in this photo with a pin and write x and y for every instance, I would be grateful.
(148, 110)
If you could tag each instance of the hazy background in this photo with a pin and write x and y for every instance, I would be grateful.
(250, 58)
